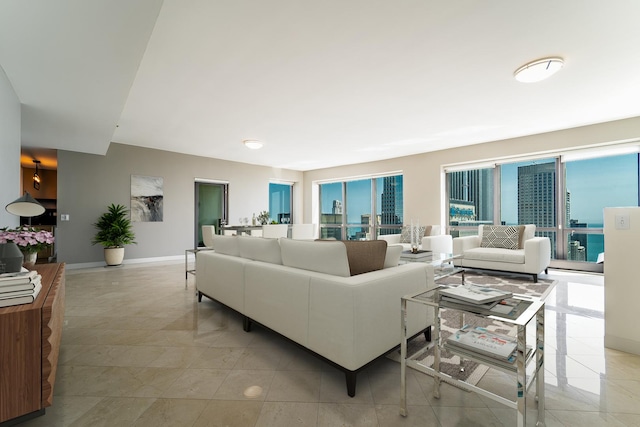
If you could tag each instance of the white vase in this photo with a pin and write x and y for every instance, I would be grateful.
(30, 257)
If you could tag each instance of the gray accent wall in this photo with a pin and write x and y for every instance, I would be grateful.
(88, 183)
(9, 150)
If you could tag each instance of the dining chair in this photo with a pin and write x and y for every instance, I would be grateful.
(275, 230)
(208, 233)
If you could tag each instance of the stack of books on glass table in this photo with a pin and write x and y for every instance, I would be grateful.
(479, 299)
(19, 288)
(500, 349)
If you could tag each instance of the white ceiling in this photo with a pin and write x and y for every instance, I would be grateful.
(322, 83)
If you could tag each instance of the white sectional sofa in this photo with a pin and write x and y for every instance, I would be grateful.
(307, 291)
(505, 248)
(432, 240)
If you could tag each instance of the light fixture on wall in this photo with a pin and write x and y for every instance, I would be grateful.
(36, 177)
(253, 144)
(538, 70)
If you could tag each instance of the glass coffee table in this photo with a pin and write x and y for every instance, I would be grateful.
(442, 263)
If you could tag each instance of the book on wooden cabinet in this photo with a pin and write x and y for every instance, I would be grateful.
(23, 299)
(20, 277)
(484, 342)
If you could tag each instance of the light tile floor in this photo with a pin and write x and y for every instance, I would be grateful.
(139, 350)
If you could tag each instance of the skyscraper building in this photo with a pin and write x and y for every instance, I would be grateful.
(391, 200)
(537, 198)
(473, 187)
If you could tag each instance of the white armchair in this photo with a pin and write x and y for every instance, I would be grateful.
(434, 242)
(531, 256)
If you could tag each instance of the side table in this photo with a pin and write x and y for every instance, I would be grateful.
(188, 270)
(528, 311)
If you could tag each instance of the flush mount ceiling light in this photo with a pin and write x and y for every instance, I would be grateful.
(538, 70)
(254, 144)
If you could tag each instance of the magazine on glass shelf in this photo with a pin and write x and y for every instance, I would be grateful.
(482, 341)
(475, 294)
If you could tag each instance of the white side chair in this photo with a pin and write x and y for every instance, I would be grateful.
(208, 233)
(303, 231)
(275, 230)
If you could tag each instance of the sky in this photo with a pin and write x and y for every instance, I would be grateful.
(593, 184)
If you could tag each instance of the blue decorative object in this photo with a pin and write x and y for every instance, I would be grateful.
(10, 258)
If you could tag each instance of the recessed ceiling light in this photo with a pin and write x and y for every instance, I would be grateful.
(538, 70)
(254, 144)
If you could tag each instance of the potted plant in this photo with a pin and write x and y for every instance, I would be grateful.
(114, 231)
(28, 239)
(263, 217)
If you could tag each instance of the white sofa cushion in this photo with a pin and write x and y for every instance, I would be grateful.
(227, 245)
(260, 249)
(326, 256)
(392, 257)
(512, 256)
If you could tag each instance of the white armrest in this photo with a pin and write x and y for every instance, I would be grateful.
(441, 243)
(461, 244)
(392, 239)
(537, 254)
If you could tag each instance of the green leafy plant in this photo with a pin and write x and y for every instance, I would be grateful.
(114, 228)
(263, 217)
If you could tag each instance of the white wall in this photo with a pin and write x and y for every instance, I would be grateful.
(9, 149)
(423, 178)
(621, 290)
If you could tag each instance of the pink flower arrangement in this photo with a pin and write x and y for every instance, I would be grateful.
(28, 239)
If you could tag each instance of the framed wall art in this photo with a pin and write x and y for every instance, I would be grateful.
(147, 198)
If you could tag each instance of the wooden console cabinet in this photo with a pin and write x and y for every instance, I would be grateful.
(30, 337)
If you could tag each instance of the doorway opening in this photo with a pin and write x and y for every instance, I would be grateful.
(211, 199)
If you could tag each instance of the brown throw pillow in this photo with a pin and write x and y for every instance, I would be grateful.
(365, 255)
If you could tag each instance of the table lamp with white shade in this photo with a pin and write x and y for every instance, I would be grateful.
(11, 257)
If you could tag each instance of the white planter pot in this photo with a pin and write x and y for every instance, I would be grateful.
(30, 258)
(113, 256)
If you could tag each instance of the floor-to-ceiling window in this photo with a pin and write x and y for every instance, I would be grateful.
(361, 208)
(528, 196)
(591, 185)
(563, 195)
(471, 199)
(280, 202)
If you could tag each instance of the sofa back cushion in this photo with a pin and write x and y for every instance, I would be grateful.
(260, 249)
(365, 255)
(328, 256)
(392, 256)
(227, 245)
(502, 236)
(529, 233)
